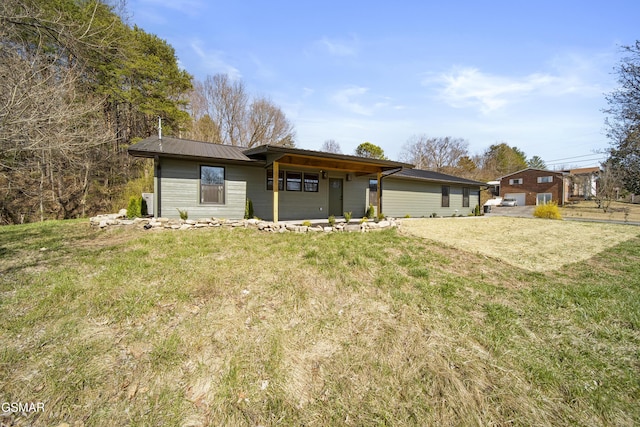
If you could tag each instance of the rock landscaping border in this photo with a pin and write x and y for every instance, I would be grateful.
(119, 219)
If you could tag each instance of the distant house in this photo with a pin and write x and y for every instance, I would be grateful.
(534, 187)
(213, 180)
(582, 182)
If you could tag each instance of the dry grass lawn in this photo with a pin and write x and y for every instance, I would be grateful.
(236, 327)
(533, 244)
(589, 210)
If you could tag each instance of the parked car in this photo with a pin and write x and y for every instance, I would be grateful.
(509, 202)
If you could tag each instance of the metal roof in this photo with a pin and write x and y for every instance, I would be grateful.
(262, 150)
(426, 175)
(186, 148)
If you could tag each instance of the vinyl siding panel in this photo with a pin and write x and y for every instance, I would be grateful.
(256, 191)
(180, 189)
(422, 198)
(302, 204)
(356, 196)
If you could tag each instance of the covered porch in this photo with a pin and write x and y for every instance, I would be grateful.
(342, 180)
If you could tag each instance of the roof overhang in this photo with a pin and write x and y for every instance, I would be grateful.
(184, 149)
(322, 160)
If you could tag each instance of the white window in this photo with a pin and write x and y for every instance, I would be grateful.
(543, 198)
(545, 179)
(515, 181)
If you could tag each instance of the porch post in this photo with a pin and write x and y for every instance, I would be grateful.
(276, 185)
(379, 193)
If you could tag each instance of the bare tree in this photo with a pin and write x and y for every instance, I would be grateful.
(331, 146)
(441, 154)
(227, 102)
(608, 185)
(51, 131)
(267, 124)
(202, 126)
(221, 112)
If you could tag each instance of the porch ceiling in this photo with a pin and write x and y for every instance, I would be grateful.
(359, 167)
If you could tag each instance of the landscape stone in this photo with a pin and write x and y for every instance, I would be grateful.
(103, 221)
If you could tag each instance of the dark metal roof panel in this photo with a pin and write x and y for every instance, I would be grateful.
(175, 147)
(426, 175)
(263, 150)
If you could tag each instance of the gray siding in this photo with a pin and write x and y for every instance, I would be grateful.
(180, 189)
(356, 194)
(401, 197)
(301, 204)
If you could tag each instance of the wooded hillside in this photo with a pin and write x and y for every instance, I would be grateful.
(77, 86)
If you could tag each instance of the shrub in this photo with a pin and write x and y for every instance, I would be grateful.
(549, 211)
(332, 220)
(134, 210)
(370, 212)
(347, 216)
(133, 188)
(248, 209)
(306, 223)
(477, 211)
(184, 215)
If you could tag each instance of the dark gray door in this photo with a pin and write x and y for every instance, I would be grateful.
(335, 196)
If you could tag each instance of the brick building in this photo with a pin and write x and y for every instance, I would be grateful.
(534, 186)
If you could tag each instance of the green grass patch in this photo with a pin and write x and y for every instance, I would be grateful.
(240, 327)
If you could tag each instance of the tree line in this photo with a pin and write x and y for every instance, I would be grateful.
(78, 85)
(450, 155)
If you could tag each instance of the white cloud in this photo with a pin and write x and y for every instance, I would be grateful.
(338, 47)
(346, 99)
(469, 87)
(213, 62)
(359, 101)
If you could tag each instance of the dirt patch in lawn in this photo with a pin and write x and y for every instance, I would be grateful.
(532, 244)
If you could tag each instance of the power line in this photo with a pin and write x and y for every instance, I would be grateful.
(597, 160)
(577, 157)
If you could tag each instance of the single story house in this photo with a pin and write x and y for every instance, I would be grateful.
(534, 186)
(214, 180)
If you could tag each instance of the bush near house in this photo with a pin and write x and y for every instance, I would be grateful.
(134, 210)
(548, 211)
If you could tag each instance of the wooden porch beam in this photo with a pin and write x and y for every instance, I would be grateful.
(379, 193)
(276, 185)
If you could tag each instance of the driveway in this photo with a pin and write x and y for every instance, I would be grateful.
(515, 211)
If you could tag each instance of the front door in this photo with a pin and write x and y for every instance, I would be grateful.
(335, 196)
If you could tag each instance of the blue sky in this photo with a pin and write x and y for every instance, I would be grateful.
(531, 74)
